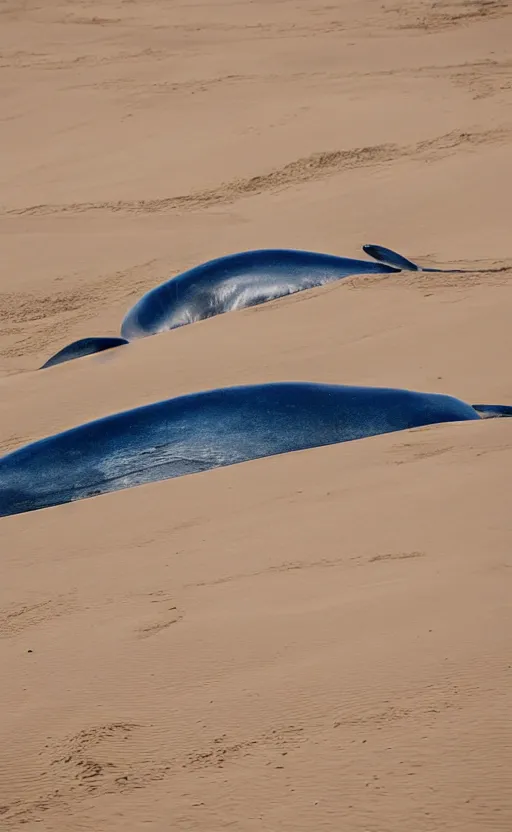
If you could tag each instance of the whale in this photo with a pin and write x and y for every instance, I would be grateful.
(235, 281)
(249, 278)
(226, 283)
(82, 347)
(200, 431)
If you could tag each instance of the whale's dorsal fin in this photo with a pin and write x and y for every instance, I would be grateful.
(493, 411)
(391, 258)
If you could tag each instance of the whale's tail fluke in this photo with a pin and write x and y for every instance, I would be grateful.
(398, 261)
(493, 411)
(391, 258)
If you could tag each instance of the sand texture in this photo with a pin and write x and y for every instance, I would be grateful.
(314, 641)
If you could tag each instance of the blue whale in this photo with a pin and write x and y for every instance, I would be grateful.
(211, 429)
(238, 281)
(248, 279)
(235, 281)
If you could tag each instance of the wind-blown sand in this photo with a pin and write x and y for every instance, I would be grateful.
(317, 641)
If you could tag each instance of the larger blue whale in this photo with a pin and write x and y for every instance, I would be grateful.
(235, 281)
(211, 429)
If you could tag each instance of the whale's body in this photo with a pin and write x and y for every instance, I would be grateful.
(207, 430)
(236, 282)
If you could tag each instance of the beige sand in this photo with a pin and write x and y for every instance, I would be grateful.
(319, 641)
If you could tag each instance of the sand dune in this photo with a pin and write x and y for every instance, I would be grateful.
(313, 641)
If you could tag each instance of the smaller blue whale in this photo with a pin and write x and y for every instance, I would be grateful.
(248, 279)
(238, 281)
(235, 281)
(200, 431)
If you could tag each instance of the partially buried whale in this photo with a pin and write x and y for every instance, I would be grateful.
(200, 431)
(238, 281)
(248, 278)
(235, 281)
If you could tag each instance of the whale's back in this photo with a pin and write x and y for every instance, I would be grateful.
(207, 430)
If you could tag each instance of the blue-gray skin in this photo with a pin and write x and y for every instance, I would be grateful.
(85, 346)
(248, 279)
(221, 285)
(208, 430)
(391, 258)
(493, 411)
(235, 282)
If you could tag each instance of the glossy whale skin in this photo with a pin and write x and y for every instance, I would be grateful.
(200, 431)
(83, 347)
(237, 281)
